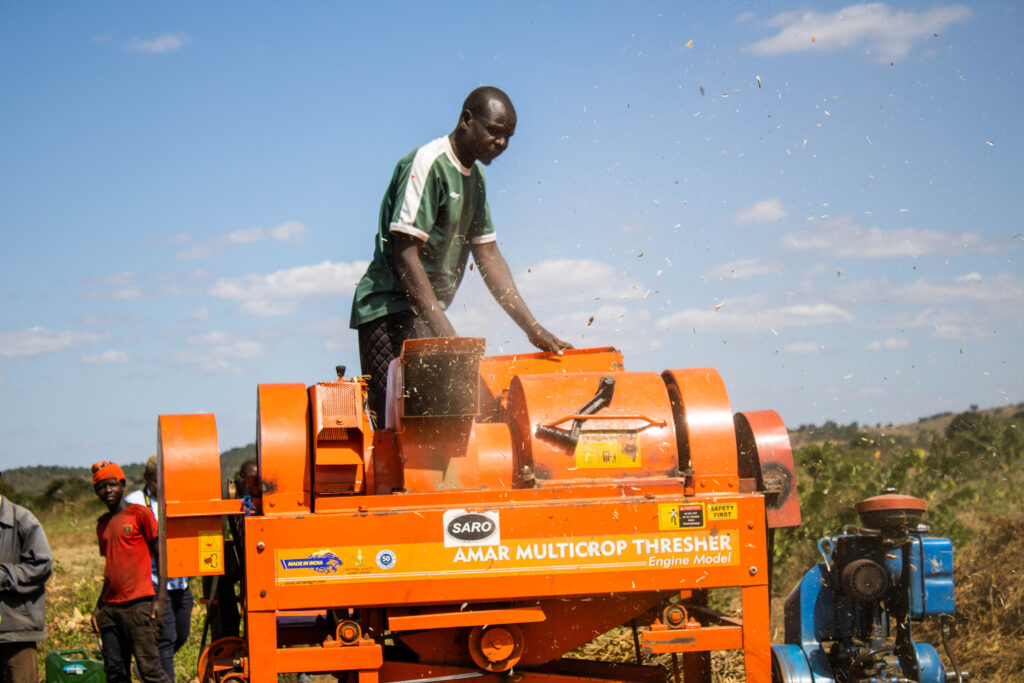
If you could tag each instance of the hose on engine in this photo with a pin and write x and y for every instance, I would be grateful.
(946, 627)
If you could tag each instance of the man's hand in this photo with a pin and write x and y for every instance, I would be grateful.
(545, 341)
(498, 279)
(158, 609)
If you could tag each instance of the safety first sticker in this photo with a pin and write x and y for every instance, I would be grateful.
(529, 556)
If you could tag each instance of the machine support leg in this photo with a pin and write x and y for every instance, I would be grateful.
(757, 639)
(697, 667)
(263, 648)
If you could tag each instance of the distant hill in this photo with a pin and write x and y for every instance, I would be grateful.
(909, 434)
(37, 479)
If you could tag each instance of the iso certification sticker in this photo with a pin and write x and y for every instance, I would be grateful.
(386, 559)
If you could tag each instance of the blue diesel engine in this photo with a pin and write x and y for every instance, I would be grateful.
(849, 619)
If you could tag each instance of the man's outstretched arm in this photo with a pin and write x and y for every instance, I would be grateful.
(417, 285)
(498, 279)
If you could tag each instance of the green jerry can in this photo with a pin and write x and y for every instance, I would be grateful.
(73, 666)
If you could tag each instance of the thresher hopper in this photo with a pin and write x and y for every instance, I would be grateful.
(509, 510)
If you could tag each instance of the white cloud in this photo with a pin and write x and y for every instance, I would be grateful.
(37, 340)
(559, 281)
(886, 32)
(291, 231)
(1002, 287)
(767, 211)
(803, 348)
(215, 352)
(947, 323)
(107, 357)
(888, 344)
(746, 268)
(197, 252)
(842, 237)
(168, 42)
(281, 292)
(755, 314)
(286, 232)
(129, 286)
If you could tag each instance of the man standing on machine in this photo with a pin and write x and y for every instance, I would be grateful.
(433, 215)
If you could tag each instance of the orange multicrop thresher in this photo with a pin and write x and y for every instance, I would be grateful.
(511, 509)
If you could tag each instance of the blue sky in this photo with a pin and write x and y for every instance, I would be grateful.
(818, 200)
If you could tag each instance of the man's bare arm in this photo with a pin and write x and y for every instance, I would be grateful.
(417, 285)
(498, 278)
(160, 600)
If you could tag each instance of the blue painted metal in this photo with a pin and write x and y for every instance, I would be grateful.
(789, 663)
(833, 633)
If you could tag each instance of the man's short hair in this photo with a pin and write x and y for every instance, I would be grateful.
(477, 100)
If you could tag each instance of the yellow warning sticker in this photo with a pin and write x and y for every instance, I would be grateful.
(211, 552)
(719, 511)
(681, 516)
(607, 449)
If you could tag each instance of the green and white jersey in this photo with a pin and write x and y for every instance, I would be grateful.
(436, 199)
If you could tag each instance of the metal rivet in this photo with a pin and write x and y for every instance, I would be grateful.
(263, 594)
(753, 571)
(260, 547)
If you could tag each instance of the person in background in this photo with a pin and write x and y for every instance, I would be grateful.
(247, 480)
(178, 611)
(129, 612)
(25, 565)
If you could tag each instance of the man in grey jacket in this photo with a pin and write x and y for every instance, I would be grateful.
(25, 565)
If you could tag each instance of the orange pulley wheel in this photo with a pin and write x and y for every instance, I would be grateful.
(348, 632)
(225, 661)
(675, 616)
(496, 648)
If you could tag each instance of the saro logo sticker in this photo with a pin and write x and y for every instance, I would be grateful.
(462, 528)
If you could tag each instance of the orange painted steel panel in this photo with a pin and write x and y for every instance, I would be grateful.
(454, 454)
(193, 546)
(282, 444)
(188, 459)
(705, 424)
(704, 639)
(763, 446)
(616, 547)
(188, 508)
(496, 372)
(188, 475)
(632, 437)
(458, 619)
(757, 647)
(341, 432)
(310, 659)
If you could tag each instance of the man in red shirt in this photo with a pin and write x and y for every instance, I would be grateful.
(128, 615)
